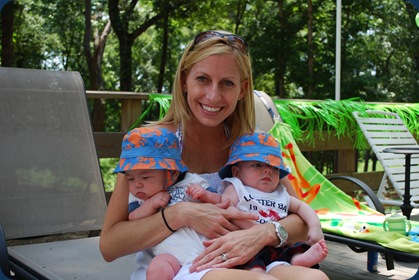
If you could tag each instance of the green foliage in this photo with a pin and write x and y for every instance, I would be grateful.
(380, 60)
(335, 117)
(380, 57)
(307, 117)
(107, 166)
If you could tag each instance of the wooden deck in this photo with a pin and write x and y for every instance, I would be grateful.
(344, 264)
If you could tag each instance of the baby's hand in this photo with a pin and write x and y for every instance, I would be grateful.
(314, 235)
(195, 191)
(159, 200)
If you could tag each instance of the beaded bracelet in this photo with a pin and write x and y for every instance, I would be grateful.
(165, 222)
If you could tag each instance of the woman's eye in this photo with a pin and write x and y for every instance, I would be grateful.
(228, 83)
(201, 79)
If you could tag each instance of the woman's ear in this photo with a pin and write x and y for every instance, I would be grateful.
(244, 87)
(183, 81)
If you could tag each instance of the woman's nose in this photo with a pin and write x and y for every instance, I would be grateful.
(213, 93)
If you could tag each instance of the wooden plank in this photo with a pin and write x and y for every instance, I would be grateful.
(344, 264)
(130, 112)
(325, 142)
(108, 144)
(346, 160)
(116, 95)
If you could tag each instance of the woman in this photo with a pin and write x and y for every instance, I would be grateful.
(212, 105)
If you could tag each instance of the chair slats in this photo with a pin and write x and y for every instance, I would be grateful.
(384, 130)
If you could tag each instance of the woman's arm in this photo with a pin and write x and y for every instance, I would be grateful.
(121, 237)
(297, 229)
(240, 246)
(150, 206)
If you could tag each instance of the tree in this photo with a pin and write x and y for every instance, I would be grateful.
(123, 14)
(310, 51)
(291, 43)
(276, 44)
(94, 61)
(7, 23)
(94, 58)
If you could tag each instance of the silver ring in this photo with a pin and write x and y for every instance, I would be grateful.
(223, 257)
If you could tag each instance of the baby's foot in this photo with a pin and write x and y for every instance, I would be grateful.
(312, 256)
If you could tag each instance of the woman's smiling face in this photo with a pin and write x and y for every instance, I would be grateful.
(213, 88)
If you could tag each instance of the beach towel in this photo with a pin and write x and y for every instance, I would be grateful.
(338, 212)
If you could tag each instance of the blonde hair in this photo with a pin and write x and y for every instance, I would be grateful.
(242, 120)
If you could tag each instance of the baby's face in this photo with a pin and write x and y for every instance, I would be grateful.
(257, 175)
(144, 183)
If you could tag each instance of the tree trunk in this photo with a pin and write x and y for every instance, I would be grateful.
(163, 59)
(126, 39)
(310, 55)
(7, 19)
(281, 60)
(94, 64)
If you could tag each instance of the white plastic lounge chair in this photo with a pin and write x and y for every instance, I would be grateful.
(50, 181)
(387, 130)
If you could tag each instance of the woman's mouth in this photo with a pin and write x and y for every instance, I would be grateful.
(211, 109)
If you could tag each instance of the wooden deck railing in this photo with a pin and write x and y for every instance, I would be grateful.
(132, 105)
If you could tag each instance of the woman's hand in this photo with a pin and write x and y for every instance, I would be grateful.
(210, 220)
(234, 248)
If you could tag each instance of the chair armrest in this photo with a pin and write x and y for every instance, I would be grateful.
(374, 199)
(4, 257)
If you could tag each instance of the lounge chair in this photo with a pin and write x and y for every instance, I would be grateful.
(50, 181)
(337, 210)
(385, 130)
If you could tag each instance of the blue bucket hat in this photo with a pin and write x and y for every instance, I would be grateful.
(150, 148)
(259, 146)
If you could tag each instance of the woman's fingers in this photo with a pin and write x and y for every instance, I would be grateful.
(224, 204)
(237, 247)
(234, 213)
(211, 256)
(213, 221)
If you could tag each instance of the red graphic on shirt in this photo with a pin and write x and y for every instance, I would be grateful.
(271, 214)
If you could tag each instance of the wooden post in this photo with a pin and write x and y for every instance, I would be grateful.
(346, 161)
(130, 112)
